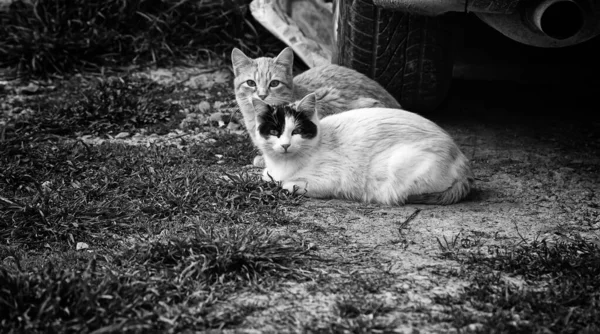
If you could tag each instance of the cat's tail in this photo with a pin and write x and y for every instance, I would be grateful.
(456, 192)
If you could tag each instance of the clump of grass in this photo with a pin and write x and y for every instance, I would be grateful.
(42, 37)
(227, 253)
(566, 302)
(449, 248)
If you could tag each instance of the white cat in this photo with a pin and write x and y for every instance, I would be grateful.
(377, 155)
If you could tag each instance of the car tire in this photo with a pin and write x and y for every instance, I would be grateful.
(410, 55)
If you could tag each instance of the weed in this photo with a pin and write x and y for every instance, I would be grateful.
(402, 227)
(449, 248)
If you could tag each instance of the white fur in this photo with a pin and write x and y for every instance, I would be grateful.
(373, 155)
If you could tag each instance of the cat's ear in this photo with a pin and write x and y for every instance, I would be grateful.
(308, 105)
(285, 58)
(239, 60)
(260, 107)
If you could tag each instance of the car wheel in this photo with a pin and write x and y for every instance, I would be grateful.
(410, 55)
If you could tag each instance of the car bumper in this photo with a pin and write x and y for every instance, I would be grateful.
(541, 23)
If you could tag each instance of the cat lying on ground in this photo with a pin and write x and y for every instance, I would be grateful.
(336, 88)
(377, 155)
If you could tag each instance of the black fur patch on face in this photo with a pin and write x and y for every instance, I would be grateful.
(274, 122)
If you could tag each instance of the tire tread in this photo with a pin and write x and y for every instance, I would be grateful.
(409, 55)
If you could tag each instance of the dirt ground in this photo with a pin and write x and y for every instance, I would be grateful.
(537, 165)
(535, 153)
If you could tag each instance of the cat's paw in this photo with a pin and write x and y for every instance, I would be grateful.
(266, 176)
(259, 161)
(298, 187)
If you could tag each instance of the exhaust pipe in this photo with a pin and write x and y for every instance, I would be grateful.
(548, 24)
(558, 19)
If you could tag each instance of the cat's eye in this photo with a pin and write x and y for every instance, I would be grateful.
(296, 132)
(274, 133)
(251, 83)
(274, 83)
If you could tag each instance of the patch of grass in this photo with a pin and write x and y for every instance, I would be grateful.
(56, 192)
(371, 282)
(108, 107)
(360, 305)
(229, 253)
(169, 231)
(455, 247)
(227, 148)
(352, 307)
(59, 193)
(360, 324)
(166, 285)
(43, 37)
(78, 300)
(566, 302)
(363, 325)
(358, 283)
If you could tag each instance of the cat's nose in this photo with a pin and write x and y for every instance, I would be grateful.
(285, 146)
(262, 97)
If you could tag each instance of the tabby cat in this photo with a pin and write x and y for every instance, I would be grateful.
(336, 88)
(377, 155)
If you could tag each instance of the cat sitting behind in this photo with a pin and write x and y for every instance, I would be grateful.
(376, 155)
(337, 88)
